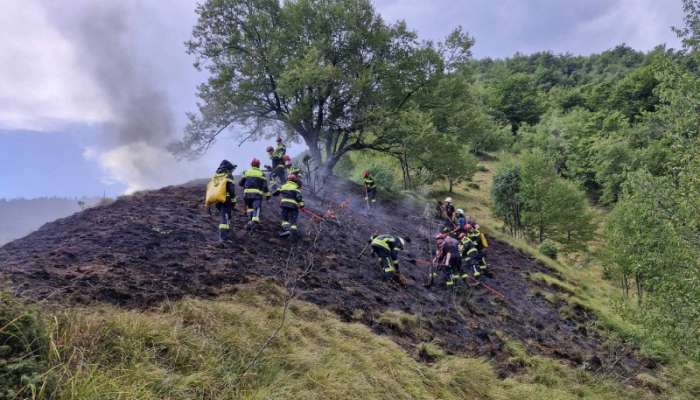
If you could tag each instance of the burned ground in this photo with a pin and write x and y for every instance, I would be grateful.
(160, 245)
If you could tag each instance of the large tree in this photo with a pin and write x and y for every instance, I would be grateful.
(323, 70)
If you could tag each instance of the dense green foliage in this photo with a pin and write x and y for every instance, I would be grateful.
(532, 199)
(23, 350)
(334, 74)
(625, 126)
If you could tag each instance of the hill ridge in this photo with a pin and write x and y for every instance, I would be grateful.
(160, 245)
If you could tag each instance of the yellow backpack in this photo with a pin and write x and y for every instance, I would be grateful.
(216, 190)
(484, 242)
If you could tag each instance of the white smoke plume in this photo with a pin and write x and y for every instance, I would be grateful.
(108, 47)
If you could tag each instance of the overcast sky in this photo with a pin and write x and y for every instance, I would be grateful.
(66, 129)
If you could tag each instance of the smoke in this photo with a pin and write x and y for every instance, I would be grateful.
(110, 49)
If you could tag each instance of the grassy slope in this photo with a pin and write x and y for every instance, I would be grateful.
(199, 349)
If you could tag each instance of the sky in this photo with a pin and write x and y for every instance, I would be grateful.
(91, 92)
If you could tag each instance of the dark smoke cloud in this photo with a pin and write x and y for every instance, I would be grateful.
(105, 44)
(122, 48)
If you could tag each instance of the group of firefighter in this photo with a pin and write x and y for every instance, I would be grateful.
(461, 247)
(286, 183)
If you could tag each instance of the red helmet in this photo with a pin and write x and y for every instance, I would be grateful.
(365, 174)
(293, 178)
(462, 235)
(270, 149)
(279, 139)
(255, 163)
(287, 158)
(468, 227)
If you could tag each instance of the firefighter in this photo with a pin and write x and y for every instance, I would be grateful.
(469, 252)
(448, 210)
(370, 188)
(225, 207)
(387, 248)
(481, 243)
(447, 255)
(290, 204)
(277, 169)
(460, 222)
(290, 168)
(280, 149)
(254, 186)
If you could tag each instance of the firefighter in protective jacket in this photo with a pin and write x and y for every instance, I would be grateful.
(225, 207)
(290, 204)
(254, 186)
(387, 248)
(370, 187)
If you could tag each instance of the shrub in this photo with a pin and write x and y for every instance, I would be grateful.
(23, 348)
(549, 249)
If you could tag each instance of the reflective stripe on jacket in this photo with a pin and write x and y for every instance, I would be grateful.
(388, 242)
(254, 183)
(291, 195)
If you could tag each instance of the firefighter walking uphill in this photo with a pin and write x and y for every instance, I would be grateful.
(255, 188)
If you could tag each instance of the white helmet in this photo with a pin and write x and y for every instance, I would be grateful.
(403, 243)
(448, 200)
(460, 211)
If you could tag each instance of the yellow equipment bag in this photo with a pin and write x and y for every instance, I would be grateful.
(484, 242)
(216, 190)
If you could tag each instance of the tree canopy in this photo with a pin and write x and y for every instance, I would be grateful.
(327, 71)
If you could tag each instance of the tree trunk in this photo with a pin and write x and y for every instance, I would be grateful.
(327, 166)
(449, 182)
(316, 155)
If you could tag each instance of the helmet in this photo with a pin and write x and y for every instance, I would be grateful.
(468, 227)
(403, 242)
(448, 199)
(270, 149)
(287, 158)
(293, 178)
(462, 235)
(226, 166)
(460, 211)
(255, 163)
(365, 174)
(279, 139)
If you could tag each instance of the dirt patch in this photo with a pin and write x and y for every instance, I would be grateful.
(160, 245)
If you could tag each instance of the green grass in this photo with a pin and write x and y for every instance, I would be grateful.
(555, 283)
(399, 321)
(203, 349)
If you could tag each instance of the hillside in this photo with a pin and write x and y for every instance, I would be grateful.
(19, 217)
(161, 245)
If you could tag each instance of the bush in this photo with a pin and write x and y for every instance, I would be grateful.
(549, 249)
(23, 348)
